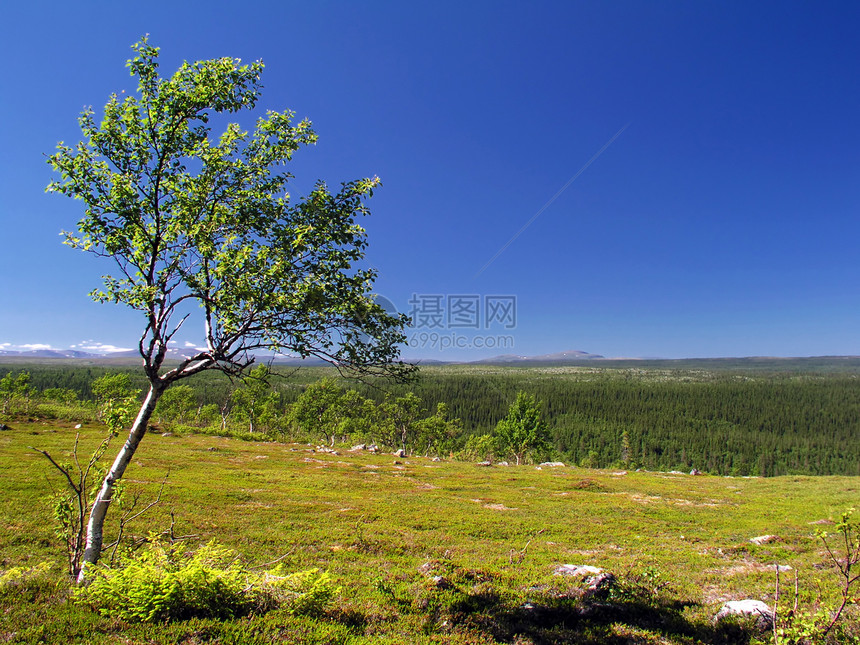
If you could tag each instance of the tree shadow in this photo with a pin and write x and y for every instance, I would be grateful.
(569, 620)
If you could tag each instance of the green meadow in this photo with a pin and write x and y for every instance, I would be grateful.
(430, 551)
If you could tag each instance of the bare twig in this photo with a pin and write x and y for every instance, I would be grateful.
(275, 561)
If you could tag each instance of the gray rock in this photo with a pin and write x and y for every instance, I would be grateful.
(598, 582)
(600, 585)
(553, 464)
(3, 426)
(359, 447)
(486, 464)
(695, 471)
(400, 452)
(756, 608)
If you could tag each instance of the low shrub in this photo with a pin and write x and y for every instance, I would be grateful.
(17, 578)
(161, 584)
(30, 584)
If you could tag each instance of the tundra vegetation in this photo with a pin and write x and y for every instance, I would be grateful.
(403, 549)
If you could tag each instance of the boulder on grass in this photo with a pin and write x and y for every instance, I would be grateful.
(582, 571)
(755, 608)
(598, 583)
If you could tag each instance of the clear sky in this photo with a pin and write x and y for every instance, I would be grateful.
(722, 221)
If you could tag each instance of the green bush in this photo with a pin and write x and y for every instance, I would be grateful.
(161, 584)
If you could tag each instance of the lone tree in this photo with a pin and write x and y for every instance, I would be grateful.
(202, 228)
(523, 432)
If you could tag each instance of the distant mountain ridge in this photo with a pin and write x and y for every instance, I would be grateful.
(557, 357)
(178, 354)
(50, 353)
(172, 354)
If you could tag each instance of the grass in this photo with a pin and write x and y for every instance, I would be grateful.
(388, 528)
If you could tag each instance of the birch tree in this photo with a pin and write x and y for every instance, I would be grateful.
(199, 229)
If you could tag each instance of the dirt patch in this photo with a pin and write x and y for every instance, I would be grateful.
(499, 507)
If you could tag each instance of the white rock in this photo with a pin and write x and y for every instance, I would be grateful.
(79, 426)
(553, 464)
(764, 539)
(576, 570)
(756, 608)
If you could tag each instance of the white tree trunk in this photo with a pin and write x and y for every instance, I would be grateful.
(95, 527)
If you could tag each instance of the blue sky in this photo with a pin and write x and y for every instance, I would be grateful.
(722, 221)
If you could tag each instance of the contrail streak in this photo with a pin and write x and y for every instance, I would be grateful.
(552, 199)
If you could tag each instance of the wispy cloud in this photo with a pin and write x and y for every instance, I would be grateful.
(33, 346)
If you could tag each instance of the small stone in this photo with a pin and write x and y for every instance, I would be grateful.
(485, 464)
(553, 464)
(79, 426)
(441, 582)
(503, 463)
(764, 539)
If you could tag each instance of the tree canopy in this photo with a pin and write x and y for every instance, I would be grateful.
(189, 218)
